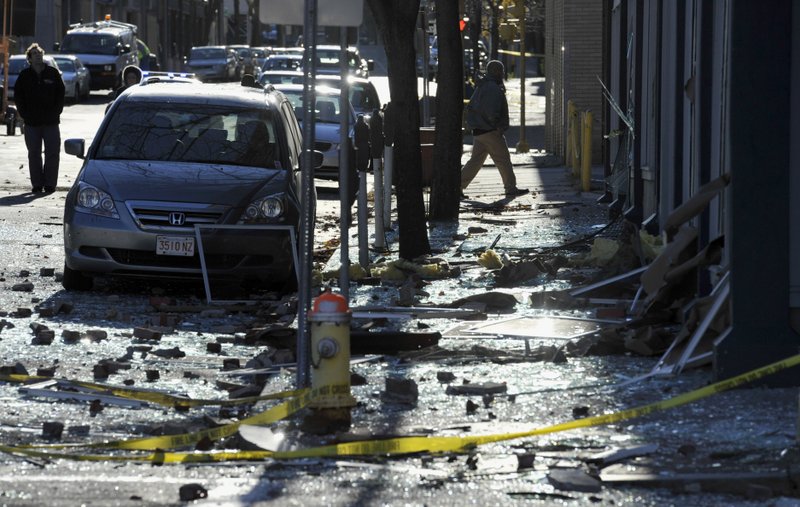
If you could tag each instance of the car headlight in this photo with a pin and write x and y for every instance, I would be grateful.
(96, 202)
(108, 67)
(265, 209)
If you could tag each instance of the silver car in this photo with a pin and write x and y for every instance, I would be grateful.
(327, 138)
(363, 95)
(77, 80)
(187, 180)
(213, 63)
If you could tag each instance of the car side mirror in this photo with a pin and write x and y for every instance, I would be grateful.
(75, 147)
(370, 65)
(126, 48)
(56, 47)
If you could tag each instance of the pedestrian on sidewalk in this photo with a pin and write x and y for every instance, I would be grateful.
(487, 116)
(39, 95)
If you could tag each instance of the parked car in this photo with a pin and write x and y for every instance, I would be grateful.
(281, 77)
(15, 65)
(327, 138)
(328, 58)
(77, 80)
(246, 58)
(282, 62)
(363, 95)
(182, 175)
(213, 63)
(259, 55)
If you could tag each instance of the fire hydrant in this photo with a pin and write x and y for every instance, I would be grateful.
(330, 353)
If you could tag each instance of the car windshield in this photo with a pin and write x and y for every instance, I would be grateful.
(207, 53)
(65, 64)
(281, 63)
(327, 110)
(328, 59)
(189, 133)
(361, 97)
(96, 44)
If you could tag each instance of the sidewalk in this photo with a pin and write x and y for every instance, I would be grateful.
(542, 173)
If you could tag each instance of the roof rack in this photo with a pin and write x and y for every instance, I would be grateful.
(106, 24)
(161, 77)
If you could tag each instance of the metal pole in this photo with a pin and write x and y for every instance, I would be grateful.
(344, 170)
(307, 195)
(522, 145)
(363, 233)
(388, 163)
(377, 170)
(6, 50)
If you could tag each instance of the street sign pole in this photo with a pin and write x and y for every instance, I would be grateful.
(307, 190)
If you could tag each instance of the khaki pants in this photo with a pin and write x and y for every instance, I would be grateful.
(489, 144)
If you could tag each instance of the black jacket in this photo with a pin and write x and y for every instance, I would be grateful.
(39, 97)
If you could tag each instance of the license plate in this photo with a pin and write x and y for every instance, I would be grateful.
(175, 245)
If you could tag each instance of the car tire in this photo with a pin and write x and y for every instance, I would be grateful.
(75, 280)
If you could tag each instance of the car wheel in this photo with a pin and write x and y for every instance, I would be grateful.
(75, 280)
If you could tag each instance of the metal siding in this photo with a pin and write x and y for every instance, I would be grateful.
(719, 103)
(687, 139)
(794, 174)
(669, 163)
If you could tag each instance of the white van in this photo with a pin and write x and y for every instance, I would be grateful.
(104, 47)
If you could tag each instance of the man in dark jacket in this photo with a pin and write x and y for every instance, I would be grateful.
(39, 95)
(487, 116)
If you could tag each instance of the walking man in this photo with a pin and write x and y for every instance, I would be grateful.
(39, 95)
(487, 116)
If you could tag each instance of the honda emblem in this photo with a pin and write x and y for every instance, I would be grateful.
(177, 218)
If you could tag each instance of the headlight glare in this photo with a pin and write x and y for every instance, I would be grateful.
(272, 207)
(88, 197)
(94, 201)
(264, 209)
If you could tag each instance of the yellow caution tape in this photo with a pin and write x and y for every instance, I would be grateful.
(169, 400)
(164, 399)
(406, 445)
(269, 416)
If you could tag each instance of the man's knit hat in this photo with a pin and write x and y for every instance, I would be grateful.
(495, 69)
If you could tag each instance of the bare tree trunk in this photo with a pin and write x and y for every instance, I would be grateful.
(396, 21)
(446, 191)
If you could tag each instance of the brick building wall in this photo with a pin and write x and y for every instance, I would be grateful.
(574, 61)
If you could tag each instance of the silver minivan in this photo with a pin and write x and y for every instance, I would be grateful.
(187, 180)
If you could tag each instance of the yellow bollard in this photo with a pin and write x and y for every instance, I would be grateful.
(330, 361)
(586, 154)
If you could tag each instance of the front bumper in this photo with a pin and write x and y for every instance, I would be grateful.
(98, 245)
